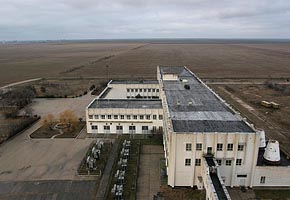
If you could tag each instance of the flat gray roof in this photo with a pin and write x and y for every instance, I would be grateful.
(126, 103)
(134, 82)
(197, 109)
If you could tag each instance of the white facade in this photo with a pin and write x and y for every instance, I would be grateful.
(143, 118)
(206, 143)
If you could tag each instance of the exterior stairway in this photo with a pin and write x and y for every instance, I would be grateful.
(215, 188)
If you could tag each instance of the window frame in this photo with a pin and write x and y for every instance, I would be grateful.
(197, 162)
(239, 161)
(219, 146)
(198, 147)
(188, 147)
(241, 147)
(187, 162)
(263, 180)
(230, 147)
(228, 163)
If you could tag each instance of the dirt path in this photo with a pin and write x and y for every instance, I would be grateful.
(19, 83)
(148, 183)
(273, 131)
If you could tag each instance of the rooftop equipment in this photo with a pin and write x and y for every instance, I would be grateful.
(262, 138)
(272, 153)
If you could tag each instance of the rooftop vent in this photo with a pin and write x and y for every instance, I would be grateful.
(272, 152)
(262, 138)
(190, 103)
(178, 102)
(187, 87)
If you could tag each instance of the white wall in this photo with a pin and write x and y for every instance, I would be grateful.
(275, 176)
(123, 122)
(181, 175)
(119, 91)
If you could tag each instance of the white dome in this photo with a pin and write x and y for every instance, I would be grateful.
(272, 152)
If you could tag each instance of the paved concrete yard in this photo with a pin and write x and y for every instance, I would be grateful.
(41, 159)
(55, 106)
(57, 190)
(148, 183)
(25, 159)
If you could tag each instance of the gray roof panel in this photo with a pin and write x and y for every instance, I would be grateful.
(198, 109)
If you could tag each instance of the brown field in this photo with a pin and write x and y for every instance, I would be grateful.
(247, 98)
(135, 60)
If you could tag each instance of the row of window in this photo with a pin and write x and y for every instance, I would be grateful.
(142, 90)
(198, 147)
(229, 162)
(128, 117)
(219, 161)
(119, 128)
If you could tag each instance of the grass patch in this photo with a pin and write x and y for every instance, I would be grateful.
(272, 194)
(46, 132)
(163, 175)
(130, 186)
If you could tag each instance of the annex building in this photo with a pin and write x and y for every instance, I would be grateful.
(207, 144)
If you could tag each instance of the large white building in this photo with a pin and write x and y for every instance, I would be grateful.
(126, 107)
(206, 143)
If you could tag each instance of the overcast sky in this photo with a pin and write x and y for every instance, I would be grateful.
(106, 19)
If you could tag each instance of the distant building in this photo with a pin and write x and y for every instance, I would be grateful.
(206, 143)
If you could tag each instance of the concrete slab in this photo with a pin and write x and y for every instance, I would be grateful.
(148, 183)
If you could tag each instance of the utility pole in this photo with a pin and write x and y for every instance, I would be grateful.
(107, 71)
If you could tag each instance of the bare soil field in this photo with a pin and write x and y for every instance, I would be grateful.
(137, 60)
(246, 99)
(24, 61)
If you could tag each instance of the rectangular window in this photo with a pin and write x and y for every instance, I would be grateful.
(140, 90)
(109, 116)
(90, 116)
(242, 175)
(263, 179)
(132, 128)
(188, 146)
(187, 161)
(219, 147)
(128, 90)
(239, 162)
(119, 128)
(106, 128)
(198, 146)
(94, 127)
(148, 117)
(219, 161)
(136, 90)
(145, 90)
(128, 116)
(135, 117)
(160, 117)
(240, 147)
(132, 90)
(230, 147)
(197, 162)
(103, 116)
(122, 116)
(153, 90)
(141, 116)
(96, 116)
(144, 128)
(157, 90)
(115, 116)
(149, 90)
(154, 117)
(228, 162)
